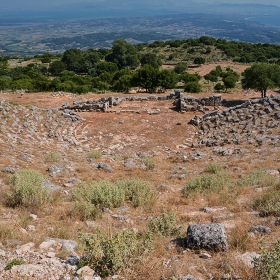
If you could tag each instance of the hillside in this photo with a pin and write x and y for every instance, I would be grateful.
(155, 144)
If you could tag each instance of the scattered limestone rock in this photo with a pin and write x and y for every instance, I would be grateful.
(207, 236)
(56, 169)
(259, 229)
(248, 258)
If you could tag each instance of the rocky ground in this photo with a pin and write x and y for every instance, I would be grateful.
(240, 138)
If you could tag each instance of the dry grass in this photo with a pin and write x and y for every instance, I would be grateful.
(157, 137)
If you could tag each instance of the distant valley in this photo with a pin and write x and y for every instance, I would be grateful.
(96, 26)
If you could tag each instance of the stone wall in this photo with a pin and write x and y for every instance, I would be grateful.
(103, 104)
(181, 103)
(256, 122)
(190, 103)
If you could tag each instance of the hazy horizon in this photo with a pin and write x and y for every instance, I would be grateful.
(45, 4)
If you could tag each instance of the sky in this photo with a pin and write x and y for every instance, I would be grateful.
(41, 4)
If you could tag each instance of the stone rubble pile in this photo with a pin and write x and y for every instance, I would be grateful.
(255, 122)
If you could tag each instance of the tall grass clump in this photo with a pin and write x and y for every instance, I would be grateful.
(257, 177)
(27, 189)
(138, 192)
(267, 266)
(268, 203)
(208, 182)
(108, 253)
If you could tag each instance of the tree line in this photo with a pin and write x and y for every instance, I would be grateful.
(125, 66)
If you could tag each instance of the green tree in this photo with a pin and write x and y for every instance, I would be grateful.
(193, 87)
(199, 60)
(73, 59)
(151, 58)
(147, 77)
(261, 77)
(56, 68)
(104, 66)
(218, 87)
(123, 54)
(180, 67)
(229, 82)
(123, 83)
(4, 83)
(187, 77)
(167, 79)
(212, 76)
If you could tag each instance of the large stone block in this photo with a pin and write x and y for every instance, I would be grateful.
(207, 236)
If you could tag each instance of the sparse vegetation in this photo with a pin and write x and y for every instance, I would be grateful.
(165, 225)
(99, 194)
(208, 182)
(52, 157)
(257, 177)
(108, 253)
(213, 168)
(138, 192)
(268, 265)
(268, 203)
(149, 163)
(95, 154)
(13, 263)
(27, 189)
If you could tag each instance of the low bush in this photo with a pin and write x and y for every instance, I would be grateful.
(208, 182)
(257, 177)
(27, 189)
(52, 157)
(13, 263)
(95, 154)
(149, 163)
(84, 210)
(267, 266)
(213, 168)
(138, 192)
(100, 194)
(268, 203)
(107, 254)
(165, 225)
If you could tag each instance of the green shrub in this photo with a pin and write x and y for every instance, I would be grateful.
(268, 265)
(84, 210)
(100, 194)
(137, 191)
(165, 225)
(94, 154)
(52, 157)
(13, 263)
(268, 203)
(208, 182)
(108, 254)
(149, 163)
(27, 189)
(257, 177)
(213, 168)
